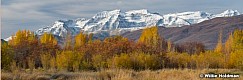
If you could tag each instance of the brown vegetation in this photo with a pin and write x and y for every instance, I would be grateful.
(119, 74)
(27, 52)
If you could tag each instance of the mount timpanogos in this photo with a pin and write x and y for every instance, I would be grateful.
(116, 22)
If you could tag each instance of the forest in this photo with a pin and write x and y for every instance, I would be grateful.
(26, 51)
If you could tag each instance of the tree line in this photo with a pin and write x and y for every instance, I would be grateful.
(27, 51)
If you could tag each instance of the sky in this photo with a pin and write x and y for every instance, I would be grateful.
(34, 14)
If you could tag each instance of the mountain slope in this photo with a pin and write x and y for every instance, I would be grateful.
(206, 32)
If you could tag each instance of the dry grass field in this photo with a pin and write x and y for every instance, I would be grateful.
(118, 74)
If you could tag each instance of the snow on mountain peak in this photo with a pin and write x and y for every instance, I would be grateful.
(60, 28)
(228, 13)
(107, 13)
(116, 22)
(141, 11)
(58, 23)
(81, 19)
(7, 39)
(185, 18)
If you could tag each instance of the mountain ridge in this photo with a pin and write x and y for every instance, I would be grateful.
(137, 19)
(116, 22)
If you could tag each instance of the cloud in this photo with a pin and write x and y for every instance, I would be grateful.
(34, 14)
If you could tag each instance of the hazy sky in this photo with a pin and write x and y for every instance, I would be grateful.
(35, 14)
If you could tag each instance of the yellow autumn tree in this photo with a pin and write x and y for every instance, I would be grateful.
(68, 44)
(48, 39)
(169, 46)
(236, 58)
(16, 39)
(22, 37)
(90, 37)
(69, 60)
(45, 61)
(7, 56)
(150, 36)
(99, 62)
(24, 44)
(229, 44)
(238, 40)
(80, 40)
(49, 44)
(228, 47)
(219, 46)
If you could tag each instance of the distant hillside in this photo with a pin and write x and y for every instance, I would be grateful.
(205, 32)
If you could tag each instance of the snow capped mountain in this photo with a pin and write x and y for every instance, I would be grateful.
(228, 13)
(188, 18)
(115, 22)
(185, 18)
(60, 28)
(105, 20)
(7, 39)
(107, 23)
